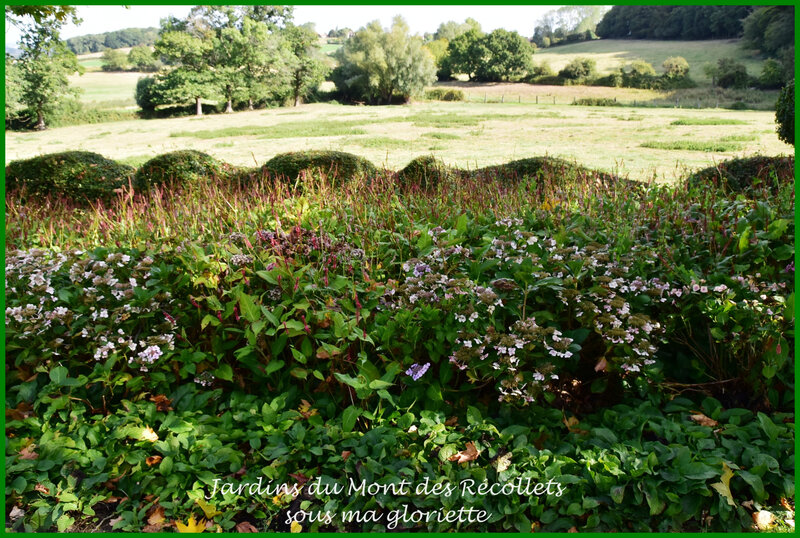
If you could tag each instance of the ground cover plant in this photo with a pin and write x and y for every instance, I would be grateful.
(627, 347)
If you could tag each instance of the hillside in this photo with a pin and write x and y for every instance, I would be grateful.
(613, 53)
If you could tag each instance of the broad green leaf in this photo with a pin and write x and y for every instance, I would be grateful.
(349, 417)
(58, 375)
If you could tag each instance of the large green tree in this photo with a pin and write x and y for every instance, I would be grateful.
(44, 67)
(376, 64)
(307, 66)
(506, 56)
(465, 53)
(189, 75)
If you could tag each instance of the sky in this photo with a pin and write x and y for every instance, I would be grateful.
(421, 19)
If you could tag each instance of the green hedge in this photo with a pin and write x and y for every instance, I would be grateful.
(176, 168)
(337, 166)
(78, 175)
(745, 174)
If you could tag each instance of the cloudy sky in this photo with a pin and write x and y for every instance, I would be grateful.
(421, 19)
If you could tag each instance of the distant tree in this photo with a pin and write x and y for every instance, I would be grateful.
(14, 82)
(264, 62)
(769, 29)
(377, 64)
(772, 75)
(307, 67)
(114, 60)
(507, 56)
(54, 16)
(784, 114)
(190, 76)
(675, 67)
(44, 65)
(450, 30)
(579, 69)
(141, 58)
(731, 74)
(568, 24)
(466, 53)
(146, 94)
(438, 49)
(672, 22)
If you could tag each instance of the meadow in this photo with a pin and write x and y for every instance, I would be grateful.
(612, 54)
(467, 135)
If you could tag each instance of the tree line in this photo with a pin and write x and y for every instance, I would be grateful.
(118, 39)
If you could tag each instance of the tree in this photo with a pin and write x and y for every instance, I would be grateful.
(730, 74)
(377, 64)
(114, 60)
(450, 30)
(307, 65)
(44, 65)
(190, 76)
(438, 49)
(784, 114)
(579, 69)
(466, 53)
(675, 67)
(141, 58)
(507, 56)
(772, 75)
(769, 29)
(54, 16)
(672, 22)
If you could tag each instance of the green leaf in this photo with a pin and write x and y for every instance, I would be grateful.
(58, 375)
(274, 366)
(249, 309)
(349, 417)
(224, 371)
(379, 384)
(209, 319)
(349, 380)
(461, 224)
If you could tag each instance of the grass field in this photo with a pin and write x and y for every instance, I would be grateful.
(102, 88)
(467, 135)
(611, 54)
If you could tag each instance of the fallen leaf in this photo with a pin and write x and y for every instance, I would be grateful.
(573, 529)
(535, 526)
(153, 460)
(208, 509)
(149, 435)
(503, 462)
(162, 402)
(786, 505)
(452, 421)
(571, 422)
(305, 409)
(468, 454)
(763, 519)
(748, 505)
(601, 365)
(301, 478)
(156, 515)
(723, 487)
(346, 454)
(703, 420)
(16, 513)
(42, 489)
(296, 527)
(21, 412)
(191, 525)
(245, 526)
(27, 453)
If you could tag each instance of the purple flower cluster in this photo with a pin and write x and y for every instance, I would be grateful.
(417, 370)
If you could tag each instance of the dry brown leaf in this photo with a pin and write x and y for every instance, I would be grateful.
(300, 477)
(747, 504)
(153, 460)
(786, 505)
(601, 365)
(571, 424)
(156, 516)
(452, 421)
(703, 420)
(305, 409)
(42, 489)
(763, 519)
(573, 529)
(21, 412)
(346, 454)
(245, 526)
(27, 453)
(162, 402)
(468, 454)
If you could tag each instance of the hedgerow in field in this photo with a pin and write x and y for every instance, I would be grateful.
(335, 165)
(177, 168)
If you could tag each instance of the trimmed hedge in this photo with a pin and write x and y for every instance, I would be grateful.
(178, 167)
(539, 167)
(742, 175)
(425, 171)
(784, 114)
(336, 165)
(79, 175)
